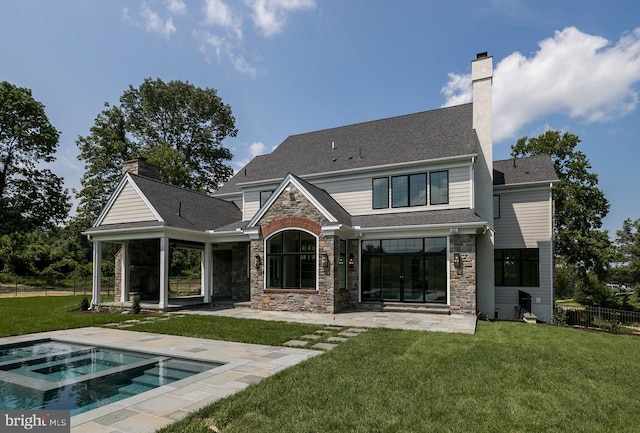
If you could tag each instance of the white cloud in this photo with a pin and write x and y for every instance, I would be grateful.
(224, 48)
(573, 72)
(256, 148)
(176, 6)
(218, 13)
(269, 16)
(154, 23)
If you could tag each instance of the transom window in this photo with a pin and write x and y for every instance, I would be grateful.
(291, 260)
(517, 267)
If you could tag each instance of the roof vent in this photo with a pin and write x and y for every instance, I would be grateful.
(333, 145)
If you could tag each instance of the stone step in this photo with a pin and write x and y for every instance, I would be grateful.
(402, 307)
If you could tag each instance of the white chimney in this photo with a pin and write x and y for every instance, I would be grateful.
(482, 80)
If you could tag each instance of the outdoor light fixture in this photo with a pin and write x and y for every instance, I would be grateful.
(257, 257)
(457, 260)
(325, 260)
(340, 261)
(350, 262)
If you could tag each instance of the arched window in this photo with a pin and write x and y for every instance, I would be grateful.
(291, 260)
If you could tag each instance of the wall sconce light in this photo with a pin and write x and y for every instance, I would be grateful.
(457, 260)
(340, 261)
(350, 262)
(325, 260)
(257, 258)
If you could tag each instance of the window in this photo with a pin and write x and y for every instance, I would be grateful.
(381, 193)
(291, 260)
(342, 265)
(517, 267)
(264, 196)
(399, 191)
(409, 190)
(496, 206)
(439, 183)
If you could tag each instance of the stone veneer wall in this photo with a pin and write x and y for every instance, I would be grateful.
(292, 210)
(240, 283)
(463, 281)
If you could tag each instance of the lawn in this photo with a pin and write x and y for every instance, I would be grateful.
(508, 377)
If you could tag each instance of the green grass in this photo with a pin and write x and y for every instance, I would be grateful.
(47, 313)
(229, 329)
(508, 377)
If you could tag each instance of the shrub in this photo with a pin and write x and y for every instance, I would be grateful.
(135, 308)
(84, 304)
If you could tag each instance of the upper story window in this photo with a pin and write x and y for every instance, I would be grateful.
(439, 183)
(381, 193)
(496, 206)
(264, 196)
(411, 190)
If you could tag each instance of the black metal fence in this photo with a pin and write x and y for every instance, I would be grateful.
(49, 286)
(606, 319)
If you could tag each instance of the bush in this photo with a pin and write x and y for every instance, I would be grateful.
(135, 308)
(84, 304)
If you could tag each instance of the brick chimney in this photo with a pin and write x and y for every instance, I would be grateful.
(141, 167)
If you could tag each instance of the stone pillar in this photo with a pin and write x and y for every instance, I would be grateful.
(164, 272)
(97, 273)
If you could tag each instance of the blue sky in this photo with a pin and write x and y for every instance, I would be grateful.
(294, 66)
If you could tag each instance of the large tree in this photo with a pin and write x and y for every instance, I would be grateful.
(580, 205)
(628, 253)
(175, 125)
(31, 196)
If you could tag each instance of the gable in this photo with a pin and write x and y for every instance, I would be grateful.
(128, 205)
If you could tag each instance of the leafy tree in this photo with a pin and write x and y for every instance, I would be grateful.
(580, 207)
(175, 125)
(628, 253)
(31, 197)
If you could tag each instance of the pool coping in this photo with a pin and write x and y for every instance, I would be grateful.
(244, 364)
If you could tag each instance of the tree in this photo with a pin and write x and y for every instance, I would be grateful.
(628, 253)
(175, 125)
(31, 197)
(580, 206)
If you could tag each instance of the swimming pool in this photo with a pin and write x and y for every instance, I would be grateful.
(50, 374)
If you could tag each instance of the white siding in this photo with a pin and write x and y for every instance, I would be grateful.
(354, 193)
(525, 222)
(128, 207)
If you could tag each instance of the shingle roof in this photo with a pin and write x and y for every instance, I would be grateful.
(328, 202)
(434, 217)
(441, 133)
(181, 208)
(524, 170)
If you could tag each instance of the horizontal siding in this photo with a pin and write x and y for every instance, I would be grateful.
(128, 207)
(354, 194)
(524, 219)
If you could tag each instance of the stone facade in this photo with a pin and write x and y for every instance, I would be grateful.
(292, 210)
(463, 279)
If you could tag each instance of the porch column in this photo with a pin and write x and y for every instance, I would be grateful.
(124, 272)
(97, 273)
(206, 268)
(164, 272)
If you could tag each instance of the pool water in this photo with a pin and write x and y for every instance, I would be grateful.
(48, 374)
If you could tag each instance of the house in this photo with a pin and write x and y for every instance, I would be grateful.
(408, 210)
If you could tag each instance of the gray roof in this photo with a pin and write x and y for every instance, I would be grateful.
(441, 133)
(181, 208)
(328, 202)
(524, 170)
(434, 217)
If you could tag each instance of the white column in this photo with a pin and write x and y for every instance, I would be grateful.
(206, 272)
(164, 272)
(124, 272)
(97, 273)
